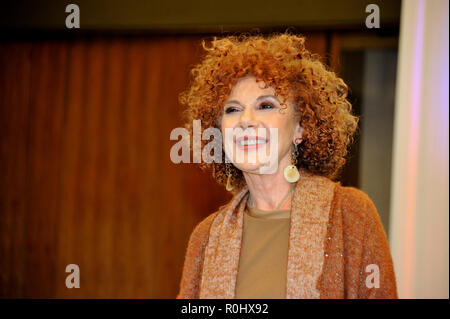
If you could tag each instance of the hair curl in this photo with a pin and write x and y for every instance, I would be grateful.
(282, 62)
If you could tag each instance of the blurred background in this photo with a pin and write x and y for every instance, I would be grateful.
(86, 114)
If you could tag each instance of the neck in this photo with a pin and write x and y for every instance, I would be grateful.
(266, 191)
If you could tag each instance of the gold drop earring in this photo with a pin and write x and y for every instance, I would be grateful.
(291, 173)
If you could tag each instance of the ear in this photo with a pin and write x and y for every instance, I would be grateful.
(298, 133)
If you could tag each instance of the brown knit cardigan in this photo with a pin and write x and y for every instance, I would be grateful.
(335, 233)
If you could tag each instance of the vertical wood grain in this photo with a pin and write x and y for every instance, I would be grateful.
(85, 169)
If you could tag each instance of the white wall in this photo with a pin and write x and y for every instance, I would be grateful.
(419, 234)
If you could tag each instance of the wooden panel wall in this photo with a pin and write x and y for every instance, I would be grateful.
(85, 172)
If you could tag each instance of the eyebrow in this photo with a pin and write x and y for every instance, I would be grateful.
(262, 97)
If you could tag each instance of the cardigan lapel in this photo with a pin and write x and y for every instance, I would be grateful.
(222, 253)
(309, 221)
(308, 226)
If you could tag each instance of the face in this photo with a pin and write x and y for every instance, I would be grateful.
(251, 116)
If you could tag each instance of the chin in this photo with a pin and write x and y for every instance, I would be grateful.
(254, 168)
(250, 163)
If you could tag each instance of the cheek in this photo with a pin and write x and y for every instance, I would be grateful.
(227, 122)
(285, 130)
(284, 140)
(227, 126)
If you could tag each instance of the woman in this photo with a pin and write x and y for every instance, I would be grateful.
(292, 231)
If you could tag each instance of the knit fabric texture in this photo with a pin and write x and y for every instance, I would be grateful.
(337, 246)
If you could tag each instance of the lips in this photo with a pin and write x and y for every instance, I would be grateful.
(250, 142)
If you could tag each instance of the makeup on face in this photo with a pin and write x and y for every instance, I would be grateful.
(250, 115)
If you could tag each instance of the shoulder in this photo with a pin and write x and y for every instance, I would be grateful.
(360, 218)
(365, 244)
(351, 195)
(202, 229)
(194, 259)
(200, 233)
(354, 204)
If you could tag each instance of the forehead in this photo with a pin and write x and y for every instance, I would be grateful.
(248, 87)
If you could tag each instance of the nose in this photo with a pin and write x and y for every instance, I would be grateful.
(248, 118)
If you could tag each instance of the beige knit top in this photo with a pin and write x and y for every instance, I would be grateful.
(264, 254)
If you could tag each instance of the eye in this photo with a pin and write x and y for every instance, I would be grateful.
(266, 106)
(231, 109)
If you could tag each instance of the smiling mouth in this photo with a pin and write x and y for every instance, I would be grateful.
(249, 142)
(252, 142)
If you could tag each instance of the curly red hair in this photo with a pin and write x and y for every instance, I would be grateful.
(282, 62)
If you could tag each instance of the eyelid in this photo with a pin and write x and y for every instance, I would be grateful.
(269, 98)
(226, 107)
(268, 102)
(232, 108)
